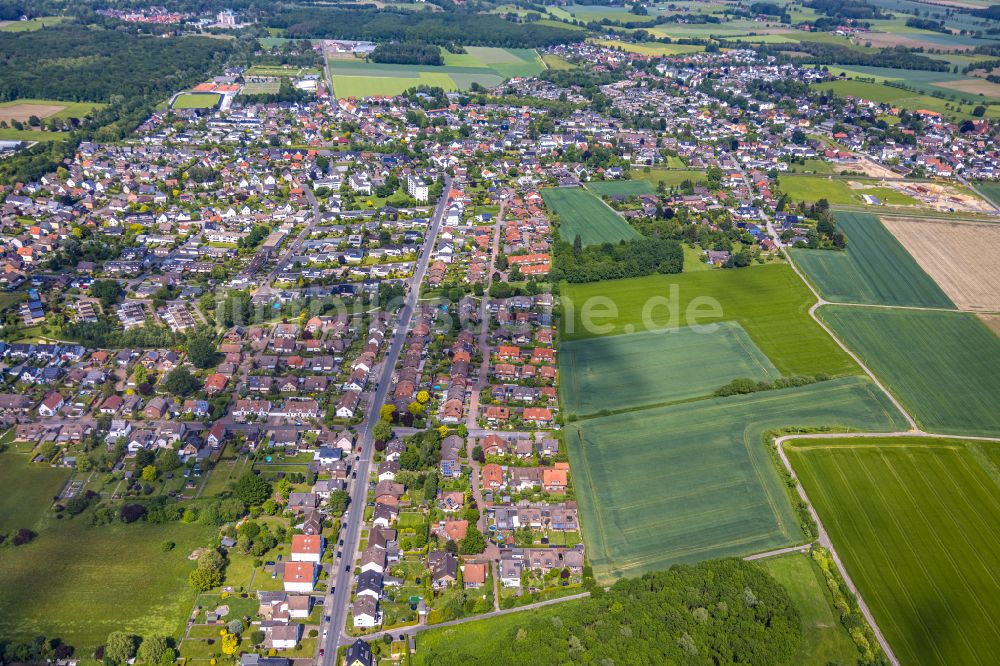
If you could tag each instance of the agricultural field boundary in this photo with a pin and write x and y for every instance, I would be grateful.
(824, 537)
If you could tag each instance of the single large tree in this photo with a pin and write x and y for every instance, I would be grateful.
(201, 352)
(120, 647)
(252, 489)
(152, 649)
(180, 382)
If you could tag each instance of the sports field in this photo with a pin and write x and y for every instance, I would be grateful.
(769, 301)
(813, 188)
(624, 371)
(874, 269)
(943, 366)
(917, 523)
(695, 481)
(620, 187)
(582, 214)
(487, 66)
(269, 88)
(196, 101)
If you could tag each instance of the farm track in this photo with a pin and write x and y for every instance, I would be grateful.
(824, 538)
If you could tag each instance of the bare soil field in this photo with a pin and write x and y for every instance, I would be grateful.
(962, 257)
(992, 322)
(21, 112)
(872, 168)
(973, 86)
(944, 198)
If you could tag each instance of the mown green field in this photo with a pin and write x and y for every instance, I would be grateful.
(941, 365)
(196, 101)
(69, 110)
(769, 301)
(669, 177)
(813, 188)
(10, 134)
(582, 214)
(487, 66)
(31, 24)
(917, 523)
(991, 190)
(620, 187)
(695, 481)
(651, 48)
(824, 639)
(627, 371)
(874, 269)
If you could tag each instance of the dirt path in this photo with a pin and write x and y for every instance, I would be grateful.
(507, 611)
(824, 537)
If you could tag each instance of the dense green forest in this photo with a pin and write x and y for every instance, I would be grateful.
(433, 28)
(74, 63)
(608, 261)
(129, 72)
(717, 612)
(407, 54)
(835, 54)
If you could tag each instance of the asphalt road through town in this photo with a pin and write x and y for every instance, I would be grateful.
(340, 580)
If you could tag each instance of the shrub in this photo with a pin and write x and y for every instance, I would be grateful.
(132, 512)
(23, 536)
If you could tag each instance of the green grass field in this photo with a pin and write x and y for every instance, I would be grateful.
(669, 176)
(28, 490)
(695, 481)
(941, 365)
(922, 81)
(916, 524)
(814, 188)
(10, 134)
(196, 101)
(70, 109)
(281, 70)
(824, 639)
(874, 269)
(769, 301)
(487, 66)
(271, 88)
(79, 583)
(906, 99)
(623, 371)
(480, 637)
(31, 24)
(582, 214)
(991, 190)
(555, 62)
(651, 48)
(620, 187)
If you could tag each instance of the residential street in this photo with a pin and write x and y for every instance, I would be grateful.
(339, 585)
